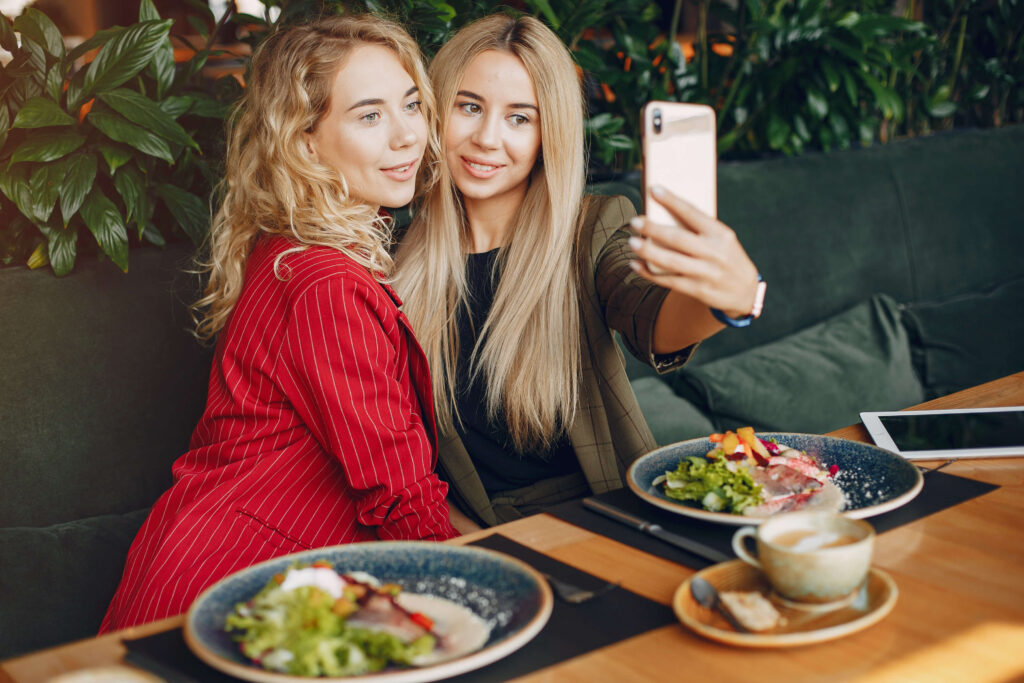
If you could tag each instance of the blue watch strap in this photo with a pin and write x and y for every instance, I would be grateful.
(750, 317)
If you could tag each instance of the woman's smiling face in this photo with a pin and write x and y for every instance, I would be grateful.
(373, 133)
(493, 136)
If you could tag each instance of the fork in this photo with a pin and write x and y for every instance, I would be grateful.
(573, 594)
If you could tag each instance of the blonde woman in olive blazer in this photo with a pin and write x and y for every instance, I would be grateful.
(523, 353)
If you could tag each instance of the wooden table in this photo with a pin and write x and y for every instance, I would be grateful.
(959, 616)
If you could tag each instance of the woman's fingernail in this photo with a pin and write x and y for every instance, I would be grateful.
(636, 222)
(658, 191)
(636, 243)
(635, 265)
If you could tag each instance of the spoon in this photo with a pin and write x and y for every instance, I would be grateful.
(704, 593)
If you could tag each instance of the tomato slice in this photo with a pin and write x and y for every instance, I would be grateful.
(422, 620)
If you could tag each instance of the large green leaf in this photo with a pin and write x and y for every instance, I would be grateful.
(189, 210)
(38, 27)
(144, 112)
(123, 56)
(176, 105)
(116, 156)
(8, 39)
(15, 184)
(120, 129)
(81, 174)
(817, 103)
(208, 107)
(48, 146)
(107, 226)
(161, 68)
(5, 122)
(97, 40)
(54, 84)
(148, 11)
(63, 244)
(40, 112)
(45, 188)
(130, 186)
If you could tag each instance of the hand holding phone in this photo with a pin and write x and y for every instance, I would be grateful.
(688, 249)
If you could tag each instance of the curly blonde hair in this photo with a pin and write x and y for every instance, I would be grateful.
(272, 186)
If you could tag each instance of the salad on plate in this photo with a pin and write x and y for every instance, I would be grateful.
(746, 475)
(315, 621)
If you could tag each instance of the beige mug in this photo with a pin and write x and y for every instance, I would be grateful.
(810, 557)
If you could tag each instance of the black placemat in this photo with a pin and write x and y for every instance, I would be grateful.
(571, 631)
(940, 491)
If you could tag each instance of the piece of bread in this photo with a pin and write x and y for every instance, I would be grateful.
(752, 609)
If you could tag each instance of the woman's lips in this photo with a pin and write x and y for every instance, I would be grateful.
(479, 169)
(402, 172)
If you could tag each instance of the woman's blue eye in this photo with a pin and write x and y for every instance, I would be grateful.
(371, 117)
(413, 106)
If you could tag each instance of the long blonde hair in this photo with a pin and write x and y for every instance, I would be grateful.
(528, 350)
(272, 185)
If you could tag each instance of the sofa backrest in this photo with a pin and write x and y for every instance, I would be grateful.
(916, 219)
(102, 385)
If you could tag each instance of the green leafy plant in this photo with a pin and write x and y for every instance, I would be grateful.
(970, 75)
(98, 149)
(810, 74)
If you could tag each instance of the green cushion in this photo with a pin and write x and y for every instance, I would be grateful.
(969, 339)
(815, 380)
(57, 581)
(670, 417)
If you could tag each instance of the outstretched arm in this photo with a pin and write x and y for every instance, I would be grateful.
(702, 264)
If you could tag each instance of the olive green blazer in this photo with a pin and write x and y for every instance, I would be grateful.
(609, 431)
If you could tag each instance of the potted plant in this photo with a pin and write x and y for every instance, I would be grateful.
(117, 147)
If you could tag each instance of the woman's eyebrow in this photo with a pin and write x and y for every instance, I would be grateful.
(377, 100)
(514, 105)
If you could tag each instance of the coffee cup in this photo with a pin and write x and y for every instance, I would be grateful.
(810, 557)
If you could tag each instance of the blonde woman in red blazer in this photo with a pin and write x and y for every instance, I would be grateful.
(319, 426)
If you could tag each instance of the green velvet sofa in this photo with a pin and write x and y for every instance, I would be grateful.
(894, 274)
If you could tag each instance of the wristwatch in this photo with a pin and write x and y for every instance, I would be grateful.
(755, 312)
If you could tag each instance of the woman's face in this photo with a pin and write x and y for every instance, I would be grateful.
(493, 136)
(373, 133)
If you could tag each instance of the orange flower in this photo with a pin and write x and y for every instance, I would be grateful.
(86, 108)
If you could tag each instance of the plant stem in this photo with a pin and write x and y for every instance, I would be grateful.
(958, 55)
(702, 40)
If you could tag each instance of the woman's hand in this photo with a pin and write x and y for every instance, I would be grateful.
(702, 258)
(462, 523)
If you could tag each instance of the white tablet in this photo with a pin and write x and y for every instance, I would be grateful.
(960, 433)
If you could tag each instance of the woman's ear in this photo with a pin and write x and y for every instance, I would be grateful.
(307, 139)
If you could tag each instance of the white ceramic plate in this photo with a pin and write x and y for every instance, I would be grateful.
(872, 479)
(508, 594)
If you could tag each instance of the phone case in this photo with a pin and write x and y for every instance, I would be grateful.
(680, 154)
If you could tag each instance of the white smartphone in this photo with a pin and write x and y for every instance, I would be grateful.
(680, 154)
(954, 433)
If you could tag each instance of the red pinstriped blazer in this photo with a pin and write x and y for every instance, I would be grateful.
(318, 430)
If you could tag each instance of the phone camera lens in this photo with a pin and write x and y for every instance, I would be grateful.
(657, 120)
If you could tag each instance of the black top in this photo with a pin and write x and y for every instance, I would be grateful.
(500, 466)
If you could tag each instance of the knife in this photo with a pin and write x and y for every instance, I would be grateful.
(652, 529)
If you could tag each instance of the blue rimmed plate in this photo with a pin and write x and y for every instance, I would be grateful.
(872, 479)
(509, 595)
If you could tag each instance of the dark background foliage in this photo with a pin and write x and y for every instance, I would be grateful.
(125, 146)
